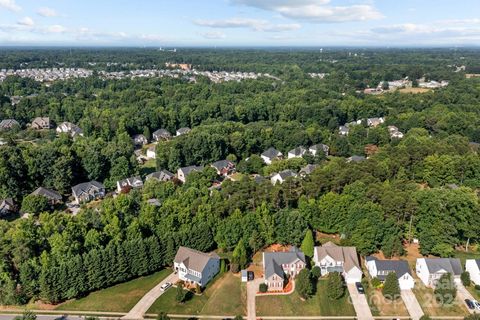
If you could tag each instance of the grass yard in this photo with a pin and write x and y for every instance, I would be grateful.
(119, 298)
(148, 167)
(225, 296)
(384, 307)
(292, 305)
(415, 90)
(431, 307)
(462, 255)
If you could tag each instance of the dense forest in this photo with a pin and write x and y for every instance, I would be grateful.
(423, 186)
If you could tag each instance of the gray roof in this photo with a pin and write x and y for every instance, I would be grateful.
(309, 168)
(400, 267)
(132, 182)
(221, 164)
(259, 179)
(8, 123)
(343, 129)
(47, 193)
(356, 159)
(41, 121)
(298, 151)
(164, 133)
(348, 255)
(320, 147)
(451, 265)
(273, 261)
(184, 130)
(287, 174)
(187, 170)
(271, 153)
(86, 186)
(194, 259)
(163, 175)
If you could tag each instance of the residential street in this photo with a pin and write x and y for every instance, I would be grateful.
(462, 294)
(147, 300)
(412, 305)
(359, 303)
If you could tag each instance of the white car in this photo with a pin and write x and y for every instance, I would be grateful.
(165, 286)
(477, 304)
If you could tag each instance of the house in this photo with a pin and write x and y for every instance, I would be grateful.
(88, 191)
(297, 152)
(430, 270)
(182, 173)
(161, 134)
(183, 130)
(394, 132)
(196, 267)
(139, 140)
(163, 175)
(317, 148)
(332, 258)
(133, 182)
(343, 130)
(356, 159)
(381, 268)
(52, 196)
(151, 153)
(7, 206)
(374, 122)
(281, 176)
(308, 169)
(473, 267)
(8, 124)
(278, 265)
(224, 167)
(271, 154)
(72, 129)
(40, 123)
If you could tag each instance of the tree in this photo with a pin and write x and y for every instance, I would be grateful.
(316, 272)
(445, 290)
(335, 285)
(308, 244)
(391, 287)
(262, 287)
(180, 294)
(475, 316)
(198, 289)
(34, 204)
(304, 284)
(465, 277)
(163, 316)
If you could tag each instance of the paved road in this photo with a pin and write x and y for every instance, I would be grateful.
(412, 305)
(148, 299)
(252, 288)
(462, 294)
(359, 303)
(51, 317)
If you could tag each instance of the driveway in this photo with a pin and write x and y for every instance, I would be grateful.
(412, 305)
(462, 294)
(252, 288)
(148, 299)
(360, 303)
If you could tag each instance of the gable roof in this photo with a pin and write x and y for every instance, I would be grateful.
(8, 123)
(194, 259)
(273, 261)
(222, 164)
(184, 130)
(319, 147)
(450, 265)
(309, 168)
(287, 174)
(133, 181)
(356, 159)
(163, 175)
(187, 170)
(86, 186)
(347, 255)
(298, 151)
(41, 121)
(162, 133)
(271, 153)
(400, 267)
(47, 193)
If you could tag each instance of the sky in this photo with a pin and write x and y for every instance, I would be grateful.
(170, 23)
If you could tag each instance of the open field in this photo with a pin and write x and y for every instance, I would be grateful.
(119, 298)
(431, 307)
(292, 305)
(414, 90)
(225, 296)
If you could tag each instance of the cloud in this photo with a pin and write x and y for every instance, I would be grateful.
(213, 35)
(26, 21)
(252, 24)
(10, 5)
(56, 28)
(47, 12)
(315, 11)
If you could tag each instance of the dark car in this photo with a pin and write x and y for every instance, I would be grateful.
(470, 304)
(250, 275)
(360, 288)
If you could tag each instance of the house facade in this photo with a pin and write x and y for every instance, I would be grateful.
(281, 176)
(297, 152)
(182, 173)
(133, 182)
(139, 140)
(161, 134)
(271, 154)
(7, 206)
(40, 123)
(52, 196)
(196, 267)
(319, 148)
(333, 258)
(430, 270)
(72, 129)
(381, 268)
(88, 191)
(277, 266)
(473, 267)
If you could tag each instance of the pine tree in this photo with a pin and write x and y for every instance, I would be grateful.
(308, 244)
(122, 271)
(239, 256)
(304, 284)
(445, 290)
(335, 285)
(391, 287)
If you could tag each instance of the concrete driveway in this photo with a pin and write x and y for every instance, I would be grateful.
(360, 303)
(252, 289)
(412, 305)
(148, 299)
(462, 294)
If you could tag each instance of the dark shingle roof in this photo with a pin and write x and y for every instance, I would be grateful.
(47, 193)
(163, 175)
(451, 265)
(400, 267)
(274, 260)
(271, 153)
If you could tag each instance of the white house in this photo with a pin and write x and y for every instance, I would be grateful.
(297, 152)
(343, 130)
(282, 176)
(72, 129)
(183, 131)
(182, 173)
(151, 154)
(317, 148)
(430, 270)
(271, 154)
(473, 267)
(381, 268)
(133, 182)
(333, 258)
(196, 267)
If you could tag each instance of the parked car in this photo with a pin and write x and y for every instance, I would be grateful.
(250, 275)
(165, 286)
(360, 288)
(470, 304)
(477, 304)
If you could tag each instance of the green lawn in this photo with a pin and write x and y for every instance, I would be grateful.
(462, 255)
(119, 298)
(431, 307)
(148, 167)
(225, 296)
(292, 305)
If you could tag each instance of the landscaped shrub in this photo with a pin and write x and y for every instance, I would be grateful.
(376, 283)
(335, 285)
(263, 287)
(465, 277)
(391, 287)
(445, 291)
(477, 287)
(316, 272)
